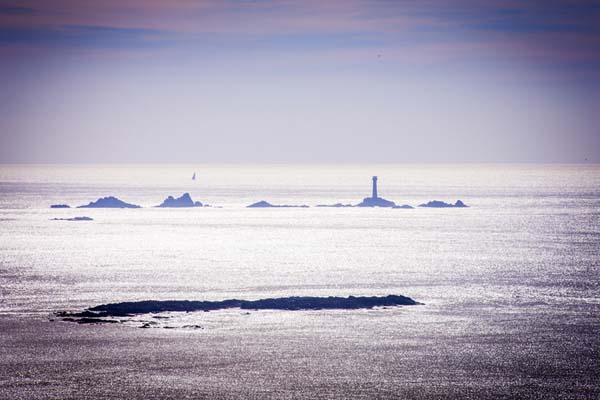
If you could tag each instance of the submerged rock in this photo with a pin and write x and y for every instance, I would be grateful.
(192, 327)
(60, 206)
(73, 219)
(109, 202)
(404, 206)
(87, 320)
(184, 201)
(368, 202)
(441, 204)
(266, 204)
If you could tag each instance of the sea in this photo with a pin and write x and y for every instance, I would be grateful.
(509, 286)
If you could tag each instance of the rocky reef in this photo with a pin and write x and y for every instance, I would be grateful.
(266, 204)
(441, 204)
(60, 206)
(184, 201)
(109, 202)
(127, 309)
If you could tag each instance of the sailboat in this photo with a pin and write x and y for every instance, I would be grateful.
(194, 177)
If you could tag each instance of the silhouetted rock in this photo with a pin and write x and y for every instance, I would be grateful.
(73, 219)
(441, 204)
(60, 206)
(109, 202)
(261, 204)
(376, 202)
(336, 205)
(329, 303)
(265, 204)
(184, 201)
(284, 303)
(404, 206)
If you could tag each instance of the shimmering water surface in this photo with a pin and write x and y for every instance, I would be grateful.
(511, 285)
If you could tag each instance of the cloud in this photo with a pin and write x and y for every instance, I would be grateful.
(425, 31)
(16, 10)
(81, 36)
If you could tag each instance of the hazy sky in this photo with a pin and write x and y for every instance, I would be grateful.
(299, 81)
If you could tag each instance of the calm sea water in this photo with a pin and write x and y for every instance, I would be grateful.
(522, 262)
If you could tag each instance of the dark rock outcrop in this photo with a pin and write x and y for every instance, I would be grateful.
(60, 206)
(441, 204)
(109, 202)
(184, 201)
(285, 303)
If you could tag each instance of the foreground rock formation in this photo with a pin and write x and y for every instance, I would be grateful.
(127, 309)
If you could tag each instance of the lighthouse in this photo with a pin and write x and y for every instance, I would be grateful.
(375, 200)
(374, 187)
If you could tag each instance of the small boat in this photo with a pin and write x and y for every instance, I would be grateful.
(194, 177)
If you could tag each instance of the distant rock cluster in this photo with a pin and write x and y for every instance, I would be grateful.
(376, 201)
(112, 202)
(185, 201)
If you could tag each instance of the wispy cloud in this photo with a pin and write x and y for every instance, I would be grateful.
(553, 32)
(16, 10)
(82, 36)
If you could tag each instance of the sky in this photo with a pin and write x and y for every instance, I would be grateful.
(311, 81)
